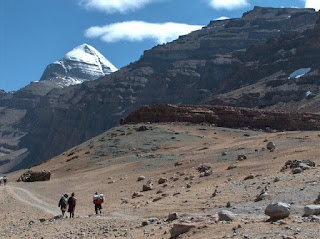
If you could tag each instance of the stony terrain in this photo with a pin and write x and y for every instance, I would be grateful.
(249, 54)
(113, 163)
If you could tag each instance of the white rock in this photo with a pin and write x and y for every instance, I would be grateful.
(278, 210)
(311, 210)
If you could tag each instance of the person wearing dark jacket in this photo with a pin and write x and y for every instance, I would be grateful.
(72, 201)
(63, 203)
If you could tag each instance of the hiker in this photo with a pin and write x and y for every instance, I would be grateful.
(5, 179)
(98, 199)
(63, 203)
(72, 205)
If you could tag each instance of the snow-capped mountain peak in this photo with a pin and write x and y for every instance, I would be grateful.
(80, 64)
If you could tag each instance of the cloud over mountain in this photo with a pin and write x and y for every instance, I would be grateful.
(228, 4)
(139, 30)
(112, 6)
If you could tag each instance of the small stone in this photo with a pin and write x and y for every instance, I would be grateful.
(141, 178)
(173, 216)
(148, 186)
(225, 215)
(162, 180)
(296, 170)
(231, 167)
(249, 177)
(242, 157)
(136, 195)
(181, 228)
(276, 179)
(271, 146)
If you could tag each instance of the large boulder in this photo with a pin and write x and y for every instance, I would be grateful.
(34, 176)
(278, 210)
(310, 210)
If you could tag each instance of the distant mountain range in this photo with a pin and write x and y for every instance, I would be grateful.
(269, 59)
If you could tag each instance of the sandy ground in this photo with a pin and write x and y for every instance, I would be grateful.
(112, 162)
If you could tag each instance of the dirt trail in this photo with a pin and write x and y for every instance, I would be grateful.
(27, 197)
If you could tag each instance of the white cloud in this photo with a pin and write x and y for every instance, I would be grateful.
(228, 4)
(112, 6)
(138, 31)
(222, 18)
(313, 4)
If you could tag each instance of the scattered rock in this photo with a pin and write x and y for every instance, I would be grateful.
(173, 216)
(162, 180)
(157, 199)
(310, 210)
(148, 186)
(34, 176)
(204, 170)
(141, 178)
(142, 128)
(225, 215)
(242, 157)
(231, 167)
(271, 146)
(278, 210)
(263, 195)
(317, 201)
(276, 179)
(296, 170)
(177, 164)
(137, 195)
(181, 228)
(299, 164)
(304, 166)
(249, 177)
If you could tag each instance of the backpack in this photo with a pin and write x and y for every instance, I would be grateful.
(63, 201)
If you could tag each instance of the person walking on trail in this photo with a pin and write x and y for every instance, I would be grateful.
(98, 199)
(72, 201)
(5, 179)
(63, 203)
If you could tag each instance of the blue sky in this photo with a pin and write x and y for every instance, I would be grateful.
(34, 33)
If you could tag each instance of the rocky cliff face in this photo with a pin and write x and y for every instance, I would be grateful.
(225, 116)
(223, 57)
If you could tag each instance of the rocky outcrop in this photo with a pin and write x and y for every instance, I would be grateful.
(32, 176)
(225, 117)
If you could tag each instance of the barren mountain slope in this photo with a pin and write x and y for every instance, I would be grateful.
(111, 163)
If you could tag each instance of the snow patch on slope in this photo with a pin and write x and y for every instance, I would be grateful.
(299, 73)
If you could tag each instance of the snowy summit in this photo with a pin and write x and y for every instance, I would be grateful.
(81, 64)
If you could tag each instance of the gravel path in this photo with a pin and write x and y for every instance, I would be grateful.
(27, 197)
